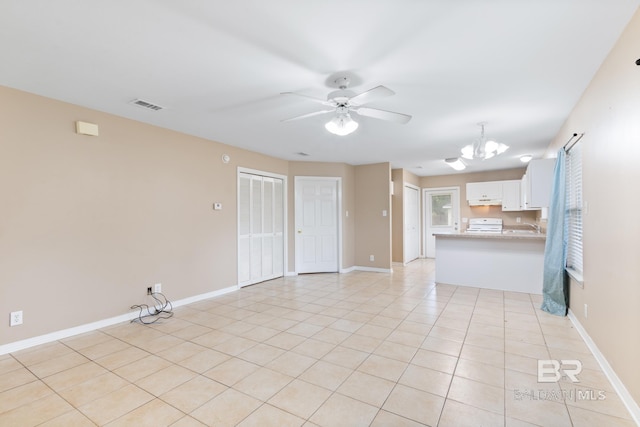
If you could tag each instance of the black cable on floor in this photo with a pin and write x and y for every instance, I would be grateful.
(162, 309)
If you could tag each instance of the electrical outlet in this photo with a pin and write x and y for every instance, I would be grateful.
(16, 318)
(157, 288)
(149, 291)
(586, 311)
(372, 258)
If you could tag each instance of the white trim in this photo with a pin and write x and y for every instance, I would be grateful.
(213, 294)
(373, 269)
(77, 330)
(347, 270)
(576, 276)
(618, 385)
(291, 273)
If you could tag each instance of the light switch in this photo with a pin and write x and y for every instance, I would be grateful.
(217, 206)
(346, 214)
(384, 213)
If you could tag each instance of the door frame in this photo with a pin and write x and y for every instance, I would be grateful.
(285, 225)
(425, 204)
(338, 182)
(404, 248)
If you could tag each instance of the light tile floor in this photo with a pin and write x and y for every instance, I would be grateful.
(354, 349)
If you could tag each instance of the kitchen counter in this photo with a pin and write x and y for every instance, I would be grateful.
(511, 261)
(505, 235)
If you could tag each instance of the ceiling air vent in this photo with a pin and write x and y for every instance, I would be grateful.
(145, 104)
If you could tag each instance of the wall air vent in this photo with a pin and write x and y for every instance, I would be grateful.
(303, 154)
(145, 104)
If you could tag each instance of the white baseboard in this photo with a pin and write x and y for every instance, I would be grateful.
(290, 274)
(77, 330)
(347, 270)
(196, 298)
(618, 385)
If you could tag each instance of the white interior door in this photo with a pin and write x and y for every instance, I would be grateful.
(316, 224)
(411, 223)
(260, 228)
(442, 214)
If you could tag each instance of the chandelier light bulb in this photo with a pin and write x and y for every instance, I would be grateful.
(341, 125)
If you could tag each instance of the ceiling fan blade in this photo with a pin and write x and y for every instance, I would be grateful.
(304, 116)
(310, 98)
(371, 95)
(383, 115)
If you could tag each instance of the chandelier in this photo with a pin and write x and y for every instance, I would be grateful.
(482, 148)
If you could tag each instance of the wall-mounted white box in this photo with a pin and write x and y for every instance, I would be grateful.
(84, 128)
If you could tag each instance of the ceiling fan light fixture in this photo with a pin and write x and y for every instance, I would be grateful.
(455, 163)
(526, 158)
(341, 125)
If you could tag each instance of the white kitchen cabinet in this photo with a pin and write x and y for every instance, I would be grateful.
(536, 184)
(511, 200)
(479, 192)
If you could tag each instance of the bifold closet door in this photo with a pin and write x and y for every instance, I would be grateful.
(260, 228)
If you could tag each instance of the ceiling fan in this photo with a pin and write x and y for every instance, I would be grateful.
(343, 102)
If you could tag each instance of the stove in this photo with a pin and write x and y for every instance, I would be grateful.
(485, 226)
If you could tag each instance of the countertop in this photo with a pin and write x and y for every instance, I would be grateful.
(501, 236)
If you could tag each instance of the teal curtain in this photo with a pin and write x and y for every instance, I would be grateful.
(554, 282)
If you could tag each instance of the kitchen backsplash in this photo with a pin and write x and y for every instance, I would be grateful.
(508, 218)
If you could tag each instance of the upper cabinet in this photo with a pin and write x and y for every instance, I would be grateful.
(536, 184)
(511, 199)
(484, 193)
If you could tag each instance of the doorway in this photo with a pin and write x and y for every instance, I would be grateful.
(442, 215)
(317, 224)
(411, 209)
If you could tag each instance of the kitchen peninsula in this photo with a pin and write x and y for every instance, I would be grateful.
(509, 261)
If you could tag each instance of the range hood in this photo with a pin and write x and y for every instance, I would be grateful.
(485, 202)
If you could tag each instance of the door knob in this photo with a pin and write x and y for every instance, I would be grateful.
(299, 231)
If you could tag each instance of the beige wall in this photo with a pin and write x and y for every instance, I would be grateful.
(372, 230)
(88, 223)
(347, 175)
(466, 211)
(609, 115)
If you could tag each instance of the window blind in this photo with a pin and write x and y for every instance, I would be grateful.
(574, 208)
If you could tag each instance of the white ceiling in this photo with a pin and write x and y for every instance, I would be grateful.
(219, 68)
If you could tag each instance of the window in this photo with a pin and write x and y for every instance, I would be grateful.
(574, 211)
